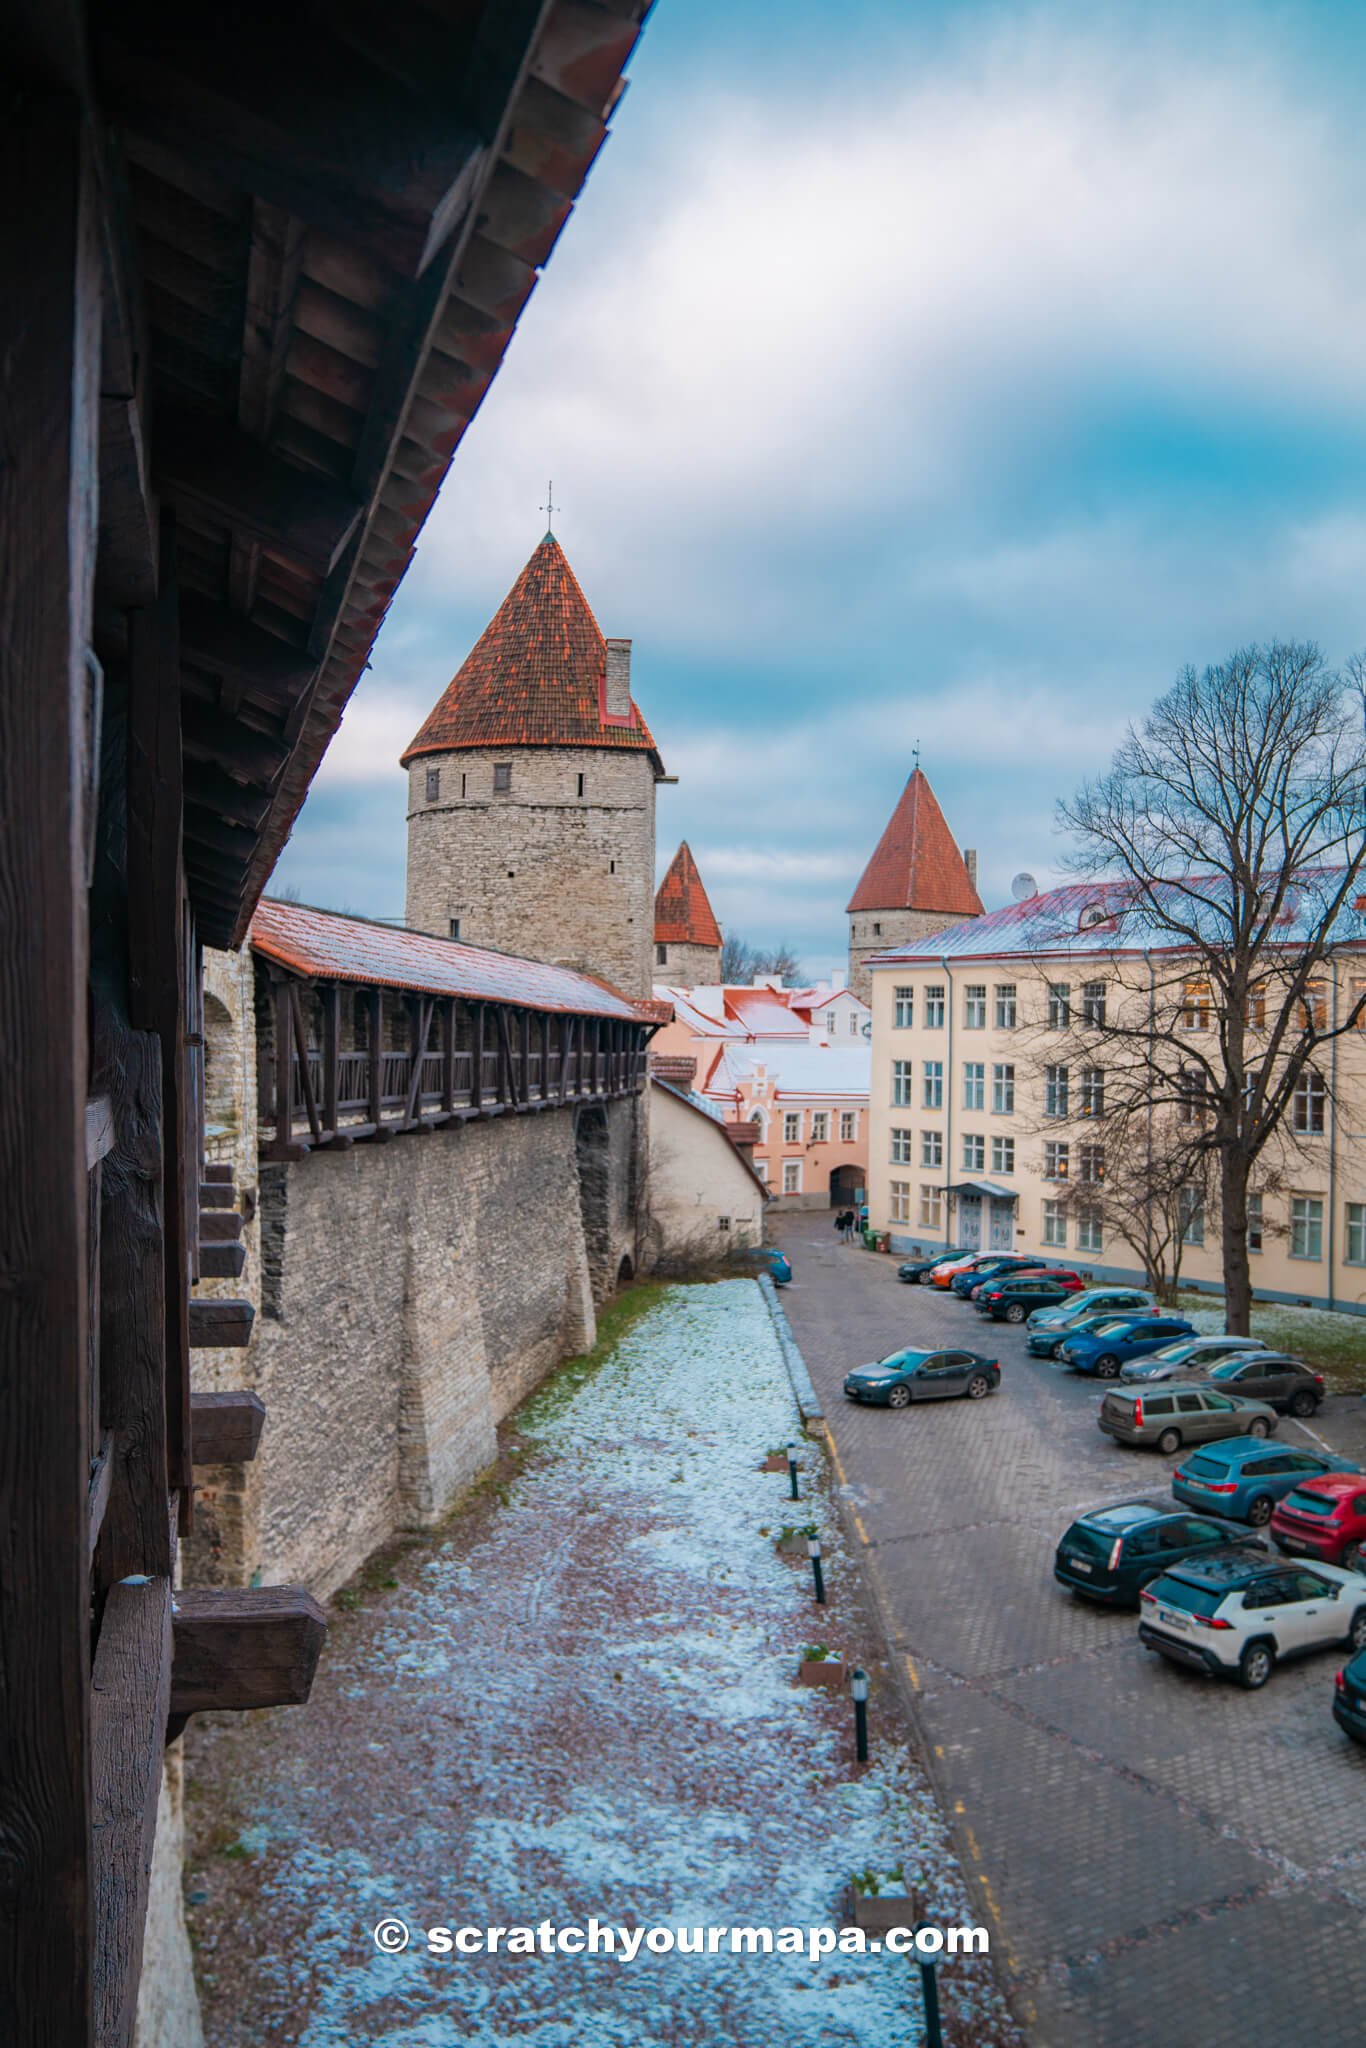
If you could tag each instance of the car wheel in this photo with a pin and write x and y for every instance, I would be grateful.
(1303, 1404)
(900, 1397)
(1169, 1441)
(1255, 1666)
(1259, 1426)
(978, 1385)
(1259, 1510)
(1016, 1312)
(1356, 1634)
(1107, 1368)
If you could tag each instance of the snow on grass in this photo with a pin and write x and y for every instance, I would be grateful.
(586, 1708)
(1333, 1343)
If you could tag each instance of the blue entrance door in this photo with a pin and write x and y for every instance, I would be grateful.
(970, 1219)
(1002, 1225)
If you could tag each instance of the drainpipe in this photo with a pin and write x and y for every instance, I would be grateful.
(1152, 1036)
(1333, 1147)
(948, 1095)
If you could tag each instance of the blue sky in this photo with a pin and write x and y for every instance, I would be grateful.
(912, 372)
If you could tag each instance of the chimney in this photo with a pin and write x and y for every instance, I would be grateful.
(969, 862)
(617, 695)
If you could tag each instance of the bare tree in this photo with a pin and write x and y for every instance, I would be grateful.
(1231, 830)
(1150, 1183)
(740, 961)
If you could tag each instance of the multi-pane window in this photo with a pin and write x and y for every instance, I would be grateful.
(1003, 1155)
(820, 1126)
(1256, 1006)
(1090, 1236)
(1306, 1227)
(1356, 997)
(1190, 1098)
(974, 1153)
(1091, 1164)
(1055, 1088)
(931, 1148)
(903, 1009)
(792, 1127)
(853, 1024)
(975, 1006)
(761, 1168)
(1093, 1005)
(934, 1005)
(1005, 1006)
(502, 774)
(1197, 1010)
(1314, 1005)
(1054, 1223)
(433, 784)
(974, 1084)
(849, 1119)
(901, 1201)
(455, 927)
(1356, 1233)
(1190, 1208)
(1055, 1160)
(1003, 1089)
(1308, 1105)
(792, 1176)
(931, 1206)
(832, 1022)
(933, 1094)
(1093, 1091)
(1255, 1229)
(901, 1083)
(1059, 1005)
(901, 1146)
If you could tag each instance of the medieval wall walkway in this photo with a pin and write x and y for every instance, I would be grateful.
(578, 1700)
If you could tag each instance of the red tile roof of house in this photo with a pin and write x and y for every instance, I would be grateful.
(537, 676)
(916, 865)
(763, 1013)
(683, 916)
(334, 948)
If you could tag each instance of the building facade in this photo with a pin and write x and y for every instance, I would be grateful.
(687, 936)
(531, 791)
(917, 882)
(988, 1106)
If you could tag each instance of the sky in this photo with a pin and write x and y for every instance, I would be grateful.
(911, 374)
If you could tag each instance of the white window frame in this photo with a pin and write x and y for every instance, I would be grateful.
(1306, 1227)
(931, 1206)
(932, 1149)
(792, 1127)
(1256, 1226)
(903, 1008)
(1309, 1105)
(1002, 1155)
(1055, 1223)
(849, 1126)
(903, 1083)
(1191, 1210)
(901, 1145)
(934, 1006)
(900, 1191)
(975, 1006)
(1355, 1254)
(1007, 1005)
(974, 1152)
(1059, 1005)
(1091, 1165)
(974, 1084)
(1093, 1001)
(933, 1084)
(1057, 1160)
(1057, 1090)
(1003, 1088)
(1090, 1231)
(792, 1176)
(820, 1127)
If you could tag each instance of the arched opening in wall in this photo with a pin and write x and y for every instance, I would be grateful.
(592, 1156)
(626, 1271)
(845, 1185)
(222, 1080)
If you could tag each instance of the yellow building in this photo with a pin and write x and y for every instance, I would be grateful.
(988, 1101)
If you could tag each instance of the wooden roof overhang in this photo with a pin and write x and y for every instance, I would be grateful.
(329, 221)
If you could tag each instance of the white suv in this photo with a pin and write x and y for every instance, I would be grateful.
(1236, 1614)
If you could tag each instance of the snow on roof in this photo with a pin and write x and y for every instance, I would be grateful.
(819, 1071)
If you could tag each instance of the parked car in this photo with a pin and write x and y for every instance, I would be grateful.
(944, 1274)
(1010, 1299)
(1323, 1518)
(1237, 1615)
(916, 1272)
(1243, 1478)
(1189, 1358)
(906, 1376)
(1110, 1553)
(1349, 1698)
(1107, 1350)
(1182, 1415)
(1287, 1383)
(1049, 1326)
(991, 1269)
(1060, 1276)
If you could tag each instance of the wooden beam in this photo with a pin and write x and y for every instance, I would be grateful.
(219, 1171)
(220, 1325)
(237, 1648)
(208, 789)
(422, 1024)
(99, 1130)
(374, 1010)
(217, 1194)
(284, 1066)
(448, 1055)
(212, 469)
(227, 1427)
(130, 1695)
(228, 647)
(221, 1262)
(566, 1043)
(241, 752)
(296, 1013)
(50, 315)
(220, 1226)
(477, 1056)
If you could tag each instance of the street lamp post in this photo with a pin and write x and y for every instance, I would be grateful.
(813, 1551)
(792, 1469)
(858, 1686)
(929, 1989)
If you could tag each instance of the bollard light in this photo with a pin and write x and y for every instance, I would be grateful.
(858, 1686)
(792, 1468)
(934, 2033)
(813, 1551)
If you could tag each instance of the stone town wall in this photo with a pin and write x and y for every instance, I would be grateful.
(687, 966)
(539, 869)
(878, 931)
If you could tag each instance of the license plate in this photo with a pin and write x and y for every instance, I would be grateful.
(1289, 1543)
(1079, 1564)
(1172, 1620)
(1200, 1485)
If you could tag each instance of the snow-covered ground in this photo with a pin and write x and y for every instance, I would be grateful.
(576, 1702)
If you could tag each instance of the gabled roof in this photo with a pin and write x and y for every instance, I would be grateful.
(319, 942)
(916, 865)
(699, 1108)
(683, 916)
(763, 1013)
(819, 1073)
(537, 675)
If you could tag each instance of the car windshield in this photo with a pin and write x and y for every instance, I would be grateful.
(1173, 1354)
(1110, 1325)
(896, 1359)
(1205, 1468)
(1190, 1599)
(1310, 1503)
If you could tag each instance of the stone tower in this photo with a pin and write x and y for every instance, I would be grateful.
(917, 881)
(531, 791)
(687, 936)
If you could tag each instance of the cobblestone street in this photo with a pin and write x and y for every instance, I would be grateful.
(579, 1699)
(1165, 1859)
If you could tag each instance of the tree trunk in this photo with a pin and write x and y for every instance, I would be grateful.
(1233, 1172)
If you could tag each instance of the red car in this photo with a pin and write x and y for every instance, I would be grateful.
(1322, 1517)
(1071, 1283)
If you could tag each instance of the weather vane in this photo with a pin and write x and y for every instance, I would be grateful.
(915, 755)
(549, 507)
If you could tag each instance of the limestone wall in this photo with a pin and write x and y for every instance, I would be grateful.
(879, 931)
(685, 965)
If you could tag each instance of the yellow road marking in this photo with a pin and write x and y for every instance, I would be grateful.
(864, 1538)
(911, 1670)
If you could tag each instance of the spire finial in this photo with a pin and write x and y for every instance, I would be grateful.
(915, 758)
(549, 508)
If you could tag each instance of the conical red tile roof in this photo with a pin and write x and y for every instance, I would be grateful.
(537, 676)
(683, 916)
(916, 865)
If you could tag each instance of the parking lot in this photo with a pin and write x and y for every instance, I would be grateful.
(1165, 1858)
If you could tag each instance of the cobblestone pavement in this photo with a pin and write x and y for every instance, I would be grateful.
(1166, 1859)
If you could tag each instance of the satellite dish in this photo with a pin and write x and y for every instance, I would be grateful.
(1023, 887)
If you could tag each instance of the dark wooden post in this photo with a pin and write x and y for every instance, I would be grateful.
(284, 1065)
(374, 1013)
(524, 1085)
(448, 1054)
(49, 394)
(477, 1057)
(331, 1002)
(545, 1055)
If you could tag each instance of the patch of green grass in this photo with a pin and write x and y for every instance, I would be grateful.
(1332, 1343)
(616, 1318)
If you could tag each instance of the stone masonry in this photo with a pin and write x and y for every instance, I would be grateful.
(558, 866)
(686, 966)
(878, 931)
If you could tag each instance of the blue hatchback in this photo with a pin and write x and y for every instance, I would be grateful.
(1245, 1476)
(1105, 1349)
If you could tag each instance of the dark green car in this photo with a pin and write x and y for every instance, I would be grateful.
(1110, 1553)
(906, 1376)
